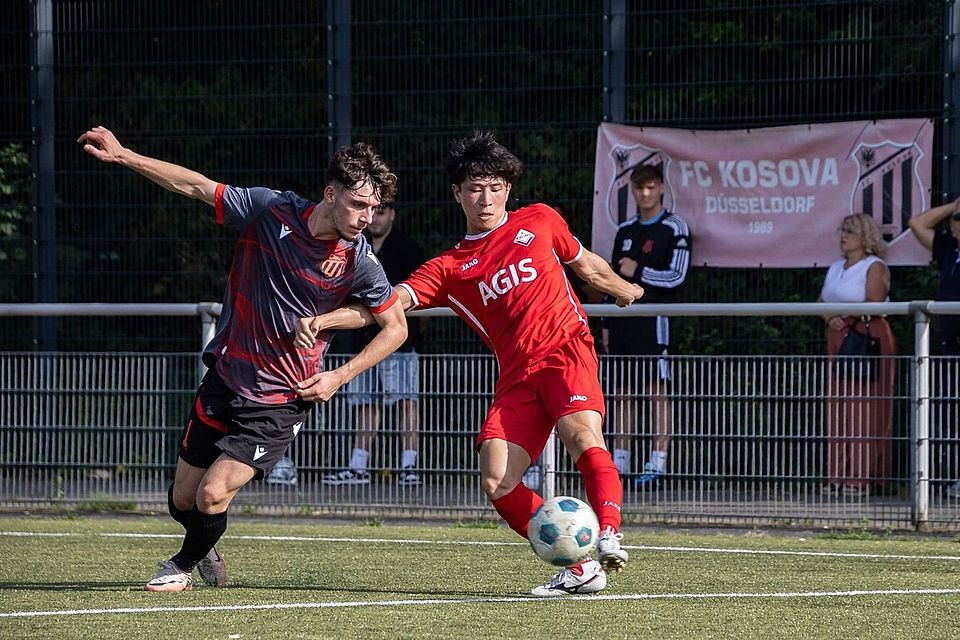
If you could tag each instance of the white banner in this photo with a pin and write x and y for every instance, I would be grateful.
(772, 197)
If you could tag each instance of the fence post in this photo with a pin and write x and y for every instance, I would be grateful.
(42, 170)
(549, 458)
(951, 99)
(920, 406)
(614, 61)
(208, 323)
(339, 87)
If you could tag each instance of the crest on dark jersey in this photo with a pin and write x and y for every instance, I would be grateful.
(333, 266)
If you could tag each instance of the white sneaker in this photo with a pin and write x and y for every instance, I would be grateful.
(611, 555)
(347, 476)
(170, 578)
(650, 477)
(284, 472)
(213, 569)
(408, 478)
(586, 577)
(531, 477)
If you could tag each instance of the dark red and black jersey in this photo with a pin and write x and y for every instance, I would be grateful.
(281, 273)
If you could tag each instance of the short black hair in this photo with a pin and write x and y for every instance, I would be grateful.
(481, 156)
(352, 166)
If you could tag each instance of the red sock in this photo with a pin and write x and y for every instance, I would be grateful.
(517, 506)
(602, 483)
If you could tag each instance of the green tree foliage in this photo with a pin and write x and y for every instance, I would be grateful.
(241, 95)
(14, 207)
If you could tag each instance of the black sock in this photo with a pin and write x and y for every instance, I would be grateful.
(203, 531)
(181, 516)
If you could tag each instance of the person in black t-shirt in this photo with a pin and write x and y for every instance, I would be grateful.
(943, 240)
(395, 381)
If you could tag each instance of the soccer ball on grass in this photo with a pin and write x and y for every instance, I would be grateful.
(563, 531)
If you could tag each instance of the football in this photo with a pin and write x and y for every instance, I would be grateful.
(563, 530)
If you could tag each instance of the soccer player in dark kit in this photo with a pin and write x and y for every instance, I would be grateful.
(293, 258)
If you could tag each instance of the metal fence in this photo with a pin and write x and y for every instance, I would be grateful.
(259, 93)
(750, 443)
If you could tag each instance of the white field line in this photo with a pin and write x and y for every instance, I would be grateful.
(759, 552)
(462, 601)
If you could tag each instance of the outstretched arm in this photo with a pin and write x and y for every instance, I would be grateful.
(393, 331)
(351, 316)
(595, 271)
(104, 146)
(924, 225)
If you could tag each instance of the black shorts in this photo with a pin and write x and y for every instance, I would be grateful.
(637, 336)
(221, 421)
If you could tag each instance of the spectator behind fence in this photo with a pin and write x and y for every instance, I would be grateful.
(294, 258)
(505, 280)
(653, 250)
(860, 389)
(943, 240)
(396, 380)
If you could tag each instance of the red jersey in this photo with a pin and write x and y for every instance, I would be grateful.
(509, 285)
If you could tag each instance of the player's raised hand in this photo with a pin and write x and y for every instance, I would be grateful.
(319, 387)
(101, 144)
(305, 333)
(631, 294)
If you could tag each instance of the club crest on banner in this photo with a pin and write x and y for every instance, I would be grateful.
(888, 186)
(620, 204)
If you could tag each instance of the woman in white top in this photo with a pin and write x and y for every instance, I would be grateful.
(859, 407)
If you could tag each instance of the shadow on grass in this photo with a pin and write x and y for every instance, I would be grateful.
(305, 589)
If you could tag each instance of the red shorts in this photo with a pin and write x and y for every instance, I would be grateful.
(526, 410)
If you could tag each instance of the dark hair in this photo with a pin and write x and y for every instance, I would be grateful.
(481, 156)
(352, 166)
(644, 173)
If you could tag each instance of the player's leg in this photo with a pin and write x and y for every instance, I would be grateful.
(401, 387)
(625, 413)
(502, 465)
(571, 391)
(661, 413)
(581, 435)
(206, 425)
(363, 397)
(208, 519)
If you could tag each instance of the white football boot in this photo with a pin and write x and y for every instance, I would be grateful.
(213, 569)
(170, 578)
(586, 577)
(612, 556)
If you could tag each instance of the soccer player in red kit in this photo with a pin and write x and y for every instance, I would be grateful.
(506, 280)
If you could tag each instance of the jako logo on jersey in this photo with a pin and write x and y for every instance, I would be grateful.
(506, 279)
(467, 265)
(284, 231)
(578, 398)
(333, 266)
(611, 503)
(627, 243)
(524, 237)
(260, 452)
